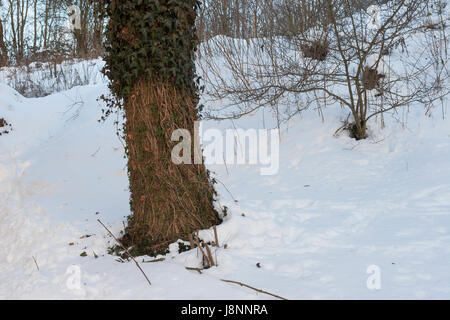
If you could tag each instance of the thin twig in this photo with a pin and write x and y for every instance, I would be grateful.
(226, 189)
(203, 252)
(226, 167)
(129, 254)
(250, 287)
(35, 262)
(216, 238)
(191, 241)
(208, 251)
(95, 153)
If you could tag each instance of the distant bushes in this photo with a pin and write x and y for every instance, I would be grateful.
(42, 79)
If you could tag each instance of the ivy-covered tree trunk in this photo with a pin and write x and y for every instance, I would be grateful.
(150, 61)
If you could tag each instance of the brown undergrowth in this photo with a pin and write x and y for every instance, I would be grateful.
(5, 127)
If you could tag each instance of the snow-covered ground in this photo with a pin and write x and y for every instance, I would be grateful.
(337, 210)
(42, 79)
(336, 207)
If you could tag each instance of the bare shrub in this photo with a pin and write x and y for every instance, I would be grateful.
(40, 79)
(368, 69)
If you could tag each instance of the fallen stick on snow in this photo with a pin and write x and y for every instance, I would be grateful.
(156, 260)
(35, 262)
(258, 290)
(194, 269)
(129, 254)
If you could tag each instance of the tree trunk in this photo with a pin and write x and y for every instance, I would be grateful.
(3, 49)
(360, 129)
(157, 85)
(168, 201)
(152, 70)
(97, 35)
(81, 45)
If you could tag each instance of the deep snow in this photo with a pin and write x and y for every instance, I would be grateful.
(336, 207)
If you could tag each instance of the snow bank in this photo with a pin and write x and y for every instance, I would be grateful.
(336, 207)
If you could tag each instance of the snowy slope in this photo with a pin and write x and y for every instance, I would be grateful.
(336, 207)
(41, 79)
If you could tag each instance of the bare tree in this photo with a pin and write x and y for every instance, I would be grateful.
(327, 54)
(18, 15)
(3, 49)
(37, 30)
